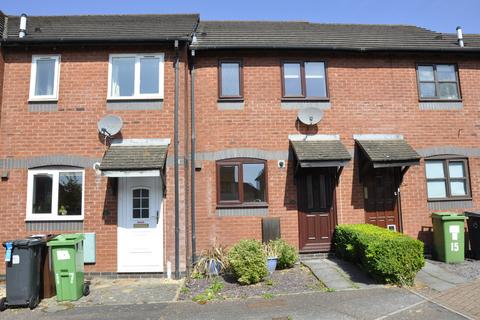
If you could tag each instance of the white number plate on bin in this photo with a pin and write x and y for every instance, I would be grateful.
(63, 255)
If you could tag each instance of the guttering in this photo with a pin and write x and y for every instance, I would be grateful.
(176, 169)
(192, 157)
(47, 41)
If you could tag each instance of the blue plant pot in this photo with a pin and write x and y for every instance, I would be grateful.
(214, 268)
(272, 264)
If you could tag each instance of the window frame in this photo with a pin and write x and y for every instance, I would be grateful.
(240, 203)
(52, 216)
(136, 82)
(33, 78)
(222, 97)
(436, 82)
(303, 81)
(445, 162)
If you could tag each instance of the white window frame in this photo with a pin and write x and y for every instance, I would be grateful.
(136, 91)
(33, 78)
(52, 216)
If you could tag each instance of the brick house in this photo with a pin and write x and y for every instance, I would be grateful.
(296, 127)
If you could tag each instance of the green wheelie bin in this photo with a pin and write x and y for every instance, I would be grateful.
(449, 236)
(67, 256)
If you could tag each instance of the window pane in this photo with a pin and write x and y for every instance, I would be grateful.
(145, 213)
(70, 186)
(434, 169)
(456, 169)
(293, 81)
(448, 90)
(230, 73)
(254, 182)
(425, 73)
(427, 90)
(145, 193)
(446, 72)
(436, 189)
(229, 183)
(42, 193)
(136, 213)
(45, 77)
(458, 188)
(136, 193)
(315, 79)
(123, 77)
(145, 203)
(149, 75)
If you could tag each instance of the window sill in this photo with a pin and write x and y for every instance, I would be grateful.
(451, 199)
(242, 206)
(220, 100)
(35, 219)
(134, 99)
(43, 100)
(440, 100)
(299, 99)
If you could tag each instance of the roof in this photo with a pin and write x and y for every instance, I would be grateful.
(320, 151)
(105, 28)
(134, 158)
(388, 151)
(291, 35)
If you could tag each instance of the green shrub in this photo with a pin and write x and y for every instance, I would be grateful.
(287, 255)
(387, 256)
(248, 261)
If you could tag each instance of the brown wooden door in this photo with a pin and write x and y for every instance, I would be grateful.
(380, 194)
(317, 212)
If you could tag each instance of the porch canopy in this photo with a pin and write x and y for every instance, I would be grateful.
(383, 153)
(320, 153)
(134, 160)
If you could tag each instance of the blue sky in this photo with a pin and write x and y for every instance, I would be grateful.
(438, 15)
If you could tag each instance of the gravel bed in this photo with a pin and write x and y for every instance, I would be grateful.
(295, 280)
(469, 269)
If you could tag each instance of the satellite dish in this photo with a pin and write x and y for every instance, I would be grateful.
(310, 116)
(110, 125)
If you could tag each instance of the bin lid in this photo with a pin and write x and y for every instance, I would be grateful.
(473, 214)
(42, 237)
(448, 216)
(66, 239)
(24, 243)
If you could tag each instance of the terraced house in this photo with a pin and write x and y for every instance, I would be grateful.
(161, 135)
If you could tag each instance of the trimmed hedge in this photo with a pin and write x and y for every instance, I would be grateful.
(388, 256)
(248, 261)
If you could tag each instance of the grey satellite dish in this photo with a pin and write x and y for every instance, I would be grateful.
(310, 116)
(110, 125)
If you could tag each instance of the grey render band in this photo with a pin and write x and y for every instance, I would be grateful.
(242, 153)
(48, 226)
(440, 105)
(242, 212)
(135, 105)
(440, 150)
(52, 160)
(293, 105)
(449, 205)
(230, 105)
(42, 107)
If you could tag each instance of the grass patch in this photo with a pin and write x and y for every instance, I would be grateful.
(211, 293)
(267, 296)
(269, 282)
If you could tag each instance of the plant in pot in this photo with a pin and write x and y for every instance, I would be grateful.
(212, 262)
(272, 256)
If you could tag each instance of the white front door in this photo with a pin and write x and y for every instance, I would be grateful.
(140, 221)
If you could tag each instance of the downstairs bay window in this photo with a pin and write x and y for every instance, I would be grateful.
(55, 194)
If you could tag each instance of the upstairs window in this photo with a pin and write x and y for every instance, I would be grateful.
(44, 77)
(438, 82)
(447, 179)
(304, 80)
(136, 76)
(230, 79)
(55, 194)
(241, 182)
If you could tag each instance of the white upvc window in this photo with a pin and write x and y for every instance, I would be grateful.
(136, 76)
(55, 194)
(44, 77)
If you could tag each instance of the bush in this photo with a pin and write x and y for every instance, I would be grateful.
(287, 255)
(388, 256)
(248, 261)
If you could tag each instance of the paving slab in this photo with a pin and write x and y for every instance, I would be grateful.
(437, 278)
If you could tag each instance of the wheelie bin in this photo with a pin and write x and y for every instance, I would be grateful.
(449, 236)
(474, 233)
(47, 278)
(67, 254)
(23, 258)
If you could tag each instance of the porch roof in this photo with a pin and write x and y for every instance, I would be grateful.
(389, 152)
(323, 153)
(130, 158)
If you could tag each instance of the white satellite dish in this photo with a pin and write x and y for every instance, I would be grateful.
(110, 125)
(310, 116)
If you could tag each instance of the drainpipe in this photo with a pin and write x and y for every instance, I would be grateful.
(192, 157)
(175, 165)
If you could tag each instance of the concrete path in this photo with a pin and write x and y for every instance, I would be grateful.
(337, 274)
(377, 303)
(437, 278)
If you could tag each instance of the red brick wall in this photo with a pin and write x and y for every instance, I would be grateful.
(73, 131)
(369, 94)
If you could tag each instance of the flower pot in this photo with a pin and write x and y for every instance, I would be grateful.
(272, 264)
(214, 268)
